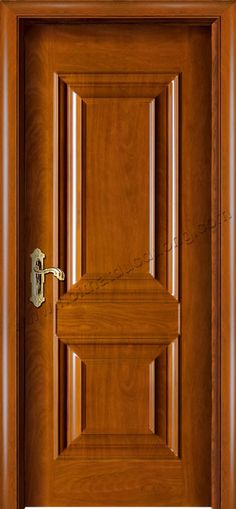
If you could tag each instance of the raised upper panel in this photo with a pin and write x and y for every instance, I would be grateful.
(118, 144)
(121, 180)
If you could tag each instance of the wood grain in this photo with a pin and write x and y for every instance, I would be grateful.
(9, 262)
(113, 408)
(173, 396)
(190, 11)
(216, 293)
(150, 312)
(117, 319)
(76, 387)
(160, 479)
(94, 103)
(228, 303)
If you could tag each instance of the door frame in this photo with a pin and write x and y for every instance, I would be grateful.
(221, 16)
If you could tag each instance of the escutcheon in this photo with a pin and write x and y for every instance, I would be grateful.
(38, 275)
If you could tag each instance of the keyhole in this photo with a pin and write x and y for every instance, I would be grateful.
(38, 265)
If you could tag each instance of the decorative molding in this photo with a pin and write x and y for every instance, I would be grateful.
(152, 396)
(13, 16)
(173, 241)
(76, 394)
(90, 438)
(160, 92)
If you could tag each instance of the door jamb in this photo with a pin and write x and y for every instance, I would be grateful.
(221, 15)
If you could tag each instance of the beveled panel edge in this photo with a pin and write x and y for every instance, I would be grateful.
(76, 265)
(204, 13)
(173, 188)
(173, 386)
(152, 396)
(115, 444)
(134, 79)
(111, 452)
(75, 258)
(74, 395)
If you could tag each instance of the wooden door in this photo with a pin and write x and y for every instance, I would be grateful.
(117, 157)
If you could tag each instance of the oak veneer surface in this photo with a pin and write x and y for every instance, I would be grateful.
(118, 194)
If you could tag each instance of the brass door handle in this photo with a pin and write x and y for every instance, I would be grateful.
(58, 273)
(38, 275)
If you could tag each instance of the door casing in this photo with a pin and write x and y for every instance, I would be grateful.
(221, 16)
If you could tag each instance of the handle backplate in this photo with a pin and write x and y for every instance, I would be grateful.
(38, 275)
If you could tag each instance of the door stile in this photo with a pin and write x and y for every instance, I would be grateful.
(224, 390)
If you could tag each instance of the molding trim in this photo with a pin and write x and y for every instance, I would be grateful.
(221, 16)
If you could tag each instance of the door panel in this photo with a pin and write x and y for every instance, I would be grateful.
(118, 194)
(128, 109)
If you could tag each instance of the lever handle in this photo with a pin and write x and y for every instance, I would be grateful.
(58, 273)
(38, 275)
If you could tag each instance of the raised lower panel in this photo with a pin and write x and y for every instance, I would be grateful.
(76, 389)
(120, 400)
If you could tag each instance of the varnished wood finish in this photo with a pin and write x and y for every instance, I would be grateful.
(116, 319)
(228, 279)
(9, 265)
(144, 100)
(115, 314)
(108, 414)
(223, 451)
(216, 212)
